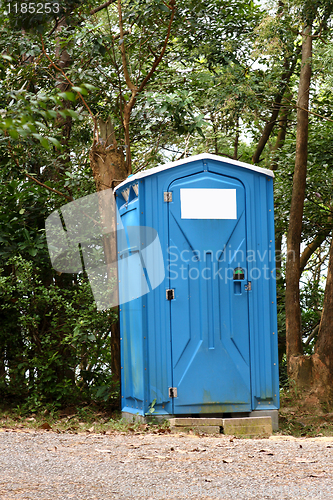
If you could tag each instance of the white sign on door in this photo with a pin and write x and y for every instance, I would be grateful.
(208, 203)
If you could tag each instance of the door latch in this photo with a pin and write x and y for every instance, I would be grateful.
(248, 287)
(172, 392)
(170, 294)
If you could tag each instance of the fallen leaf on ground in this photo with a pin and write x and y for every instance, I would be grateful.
(45, 426)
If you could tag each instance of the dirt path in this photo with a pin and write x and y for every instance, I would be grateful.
(50, 466)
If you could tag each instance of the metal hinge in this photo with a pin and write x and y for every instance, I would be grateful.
(172, 392)
(248, 287)
(170, 294)
(167, 196)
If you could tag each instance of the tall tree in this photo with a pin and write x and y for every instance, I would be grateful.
(293, 312)
(301, 368)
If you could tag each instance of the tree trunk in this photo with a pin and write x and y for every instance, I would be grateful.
(289, 67)
(236, 142)
(108, 166)
(109, 169)
(323, 357)
(281, 136)
(314, 374)
(267, 129)
(315, 244)
(126, 123)
(293, 312)
(64, 61)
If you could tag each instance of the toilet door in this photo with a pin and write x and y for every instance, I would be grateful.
(208, 279)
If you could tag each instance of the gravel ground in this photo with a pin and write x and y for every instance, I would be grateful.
(49, 466)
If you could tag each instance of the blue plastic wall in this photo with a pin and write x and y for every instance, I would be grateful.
(215, 342)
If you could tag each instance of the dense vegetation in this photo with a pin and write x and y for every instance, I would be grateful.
(141, 82)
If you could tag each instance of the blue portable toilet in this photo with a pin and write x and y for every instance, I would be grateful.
(204, 341)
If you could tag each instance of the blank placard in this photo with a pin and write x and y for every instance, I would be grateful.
(208, 204)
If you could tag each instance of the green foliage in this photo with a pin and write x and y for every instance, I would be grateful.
(213, 91)
(152, 407)
(59, 350)
(38, 16)
(22, 218)
(178, 108)
(312, 298)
